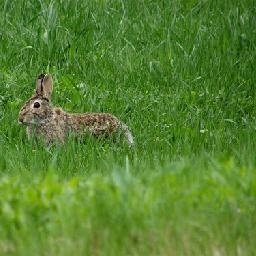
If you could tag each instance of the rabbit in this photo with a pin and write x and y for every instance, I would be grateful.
(53, 124)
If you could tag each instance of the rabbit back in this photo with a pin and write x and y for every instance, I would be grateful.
(98, 124)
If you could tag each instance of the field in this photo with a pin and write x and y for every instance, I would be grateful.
(181, 74)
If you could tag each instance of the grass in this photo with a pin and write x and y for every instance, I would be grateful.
(181, 75)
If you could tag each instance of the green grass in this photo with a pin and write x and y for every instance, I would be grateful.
(181, 74)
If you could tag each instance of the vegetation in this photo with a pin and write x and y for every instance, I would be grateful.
(181, 74)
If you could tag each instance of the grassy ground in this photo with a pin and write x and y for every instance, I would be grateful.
(181, 74)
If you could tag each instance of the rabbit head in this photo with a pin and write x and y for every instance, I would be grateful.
(38, 108)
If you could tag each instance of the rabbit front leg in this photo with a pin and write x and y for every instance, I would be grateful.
(31, 132)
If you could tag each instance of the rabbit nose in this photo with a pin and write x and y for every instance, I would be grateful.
(21, 119)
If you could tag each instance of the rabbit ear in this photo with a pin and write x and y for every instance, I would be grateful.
(47, 86)
(39, 84)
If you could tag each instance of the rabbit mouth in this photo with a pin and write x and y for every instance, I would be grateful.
(28, 123)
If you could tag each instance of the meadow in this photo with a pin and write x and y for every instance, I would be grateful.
(181, 74)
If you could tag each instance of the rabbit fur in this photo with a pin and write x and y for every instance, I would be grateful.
(52, 124)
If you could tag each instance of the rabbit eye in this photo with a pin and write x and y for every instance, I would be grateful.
(36, 104)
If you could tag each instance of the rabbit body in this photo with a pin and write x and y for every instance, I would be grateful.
(54, 124)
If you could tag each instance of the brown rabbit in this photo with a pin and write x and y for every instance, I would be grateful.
(54, 124)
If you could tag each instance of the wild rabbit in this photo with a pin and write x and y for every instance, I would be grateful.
(45, 121)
